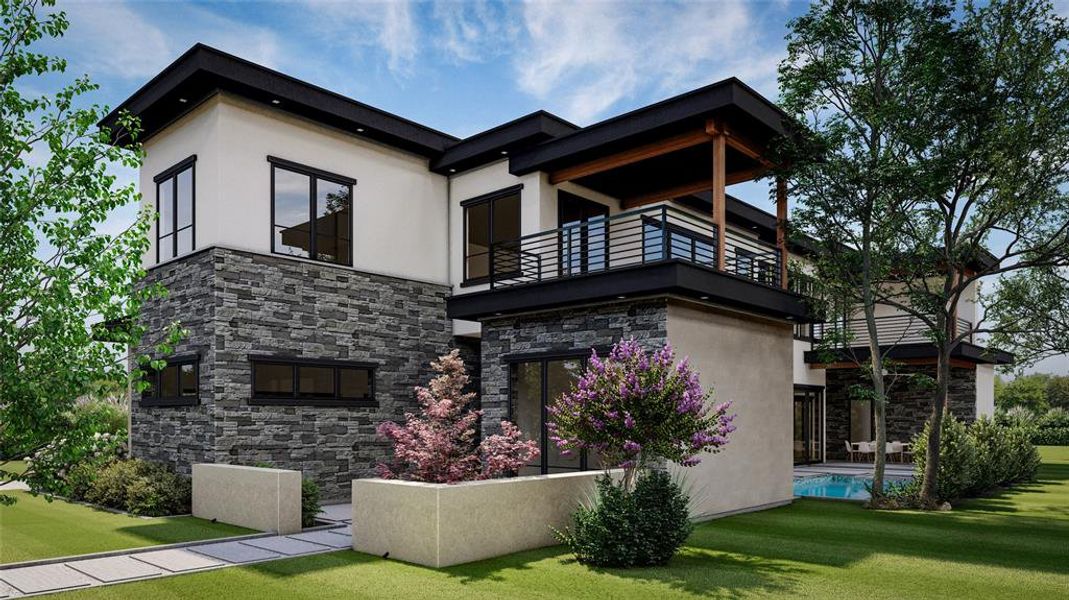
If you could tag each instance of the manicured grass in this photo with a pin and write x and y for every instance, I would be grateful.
(1014, 545)
(13, 466)
(34, 528)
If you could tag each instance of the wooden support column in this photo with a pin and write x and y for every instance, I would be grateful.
(719, 193)
(781, 228)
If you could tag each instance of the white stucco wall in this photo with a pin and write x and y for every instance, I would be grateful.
(803, 375)
(985, 390)
(747, 361)
(399, 206)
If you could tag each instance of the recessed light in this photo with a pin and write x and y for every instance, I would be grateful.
(704, 298)
(497, 314)
(452, 170)
(360, 130)
(276, 101)
(621, 297)
(183, 100)
(503, 152)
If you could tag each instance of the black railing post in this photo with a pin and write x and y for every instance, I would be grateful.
(490, 257)
(664, 232)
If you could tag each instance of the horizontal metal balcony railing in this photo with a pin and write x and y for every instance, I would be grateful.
(643, 236)
(891, 330)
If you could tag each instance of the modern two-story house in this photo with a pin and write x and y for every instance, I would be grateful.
(322, 252)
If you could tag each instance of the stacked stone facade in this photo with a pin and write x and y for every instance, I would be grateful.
(908, 406)
(239, 305)
(565, 330)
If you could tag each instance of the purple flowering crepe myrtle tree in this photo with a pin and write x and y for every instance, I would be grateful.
(633, 408)
(439, 444)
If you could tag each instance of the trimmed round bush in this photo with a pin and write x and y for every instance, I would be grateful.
(309, 502)
(642, 528)
(1058, 436)
(141, 488)
(957, 458)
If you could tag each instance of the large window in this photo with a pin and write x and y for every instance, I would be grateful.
(175, 210)
(174, 385)
(315, 382)
(492, 219)
(311, 213)
(534, 384)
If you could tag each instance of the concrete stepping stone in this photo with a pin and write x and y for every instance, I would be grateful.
(6, 590)
(287, 546)
(44, 578)
(326, 538)
(177, 560)
(115, 568)
(234, 552)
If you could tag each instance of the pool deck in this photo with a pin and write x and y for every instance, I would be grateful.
(851, 468)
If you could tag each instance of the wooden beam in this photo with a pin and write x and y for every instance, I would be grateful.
(720, 197)
(781, 228)
(632, 155)
(738, 141)
(690, 188)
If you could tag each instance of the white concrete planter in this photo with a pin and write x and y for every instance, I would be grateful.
(439, 525)
(253, 497)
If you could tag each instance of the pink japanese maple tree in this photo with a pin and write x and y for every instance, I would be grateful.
(438, 445)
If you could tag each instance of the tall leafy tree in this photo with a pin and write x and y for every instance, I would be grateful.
(1030, 311)
(844, 79)
(988, 140)
(61, 279)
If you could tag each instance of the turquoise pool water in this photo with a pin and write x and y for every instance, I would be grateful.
(842, 487)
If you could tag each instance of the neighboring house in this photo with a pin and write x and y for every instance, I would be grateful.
(322, 252)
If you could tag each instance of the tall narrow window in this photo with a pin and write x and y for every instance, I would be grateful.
(175, 210)
(311, 213)
(491, 220)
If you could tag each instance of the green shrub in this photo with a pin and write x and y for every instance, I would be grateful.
(309, 502)
(1022, 456)
(994, 464)
(1058, 436)
(106, 416)
(645, 527)
(140, 487)
(957, 458)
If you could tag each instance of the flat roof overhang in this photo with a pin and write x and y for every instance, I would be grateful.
(731, 101)
(202, 71)
(677, 278)
(965, 351)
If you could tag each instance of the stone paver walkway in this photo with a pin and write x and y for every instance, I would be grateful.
(852, 468)
(148, 563)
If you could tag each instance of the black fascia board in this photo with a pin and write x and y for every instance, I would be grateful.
(203, 70)
(488, 146)
(964, 351)
(677, 278)
(691, 106)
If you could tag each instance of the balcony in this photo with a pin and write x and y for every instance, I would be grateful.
(654, 250)
(903, 337)
(893, 330)
(639, 237)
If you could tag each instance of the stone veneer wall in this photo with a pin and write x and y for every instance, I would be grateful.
(907, 408)
(251, 304)
(560, 331)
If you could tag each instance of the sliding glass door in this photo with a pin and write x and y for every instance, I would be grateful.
(808, 424)
(534, 385)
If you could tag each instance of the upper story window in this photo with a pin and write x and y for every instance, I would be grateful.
(175, 210)
(311, 213)
(493, 218)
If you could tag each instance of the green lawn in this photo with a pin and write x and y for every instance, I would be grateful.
(1014, 545)
(13, 466)
(33, 528)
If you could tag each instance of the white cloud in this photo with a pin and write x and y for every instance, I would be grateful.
(112, 39)
(387, 26)
(587, 57)
(475, 31)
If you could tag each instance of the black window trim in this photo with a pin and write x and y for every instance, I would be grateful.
(171, 173)
(674, 228)
(543, 358)
(489, 197)
(173, 361)
(296, 400)
(313, 174)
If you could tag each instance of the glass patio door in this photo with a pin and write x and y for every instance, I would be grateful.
(808, 425)
(534, 385)
(584, 234)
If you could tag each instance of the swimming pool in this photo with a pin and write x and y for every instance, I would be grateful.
(840, 487)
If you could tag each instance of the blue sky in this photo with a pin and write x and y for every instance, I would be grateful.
(460, 67)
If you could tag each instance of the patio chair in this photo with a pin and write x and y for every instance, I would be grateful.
(866, 448)
(850, 452)
(894, 450)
